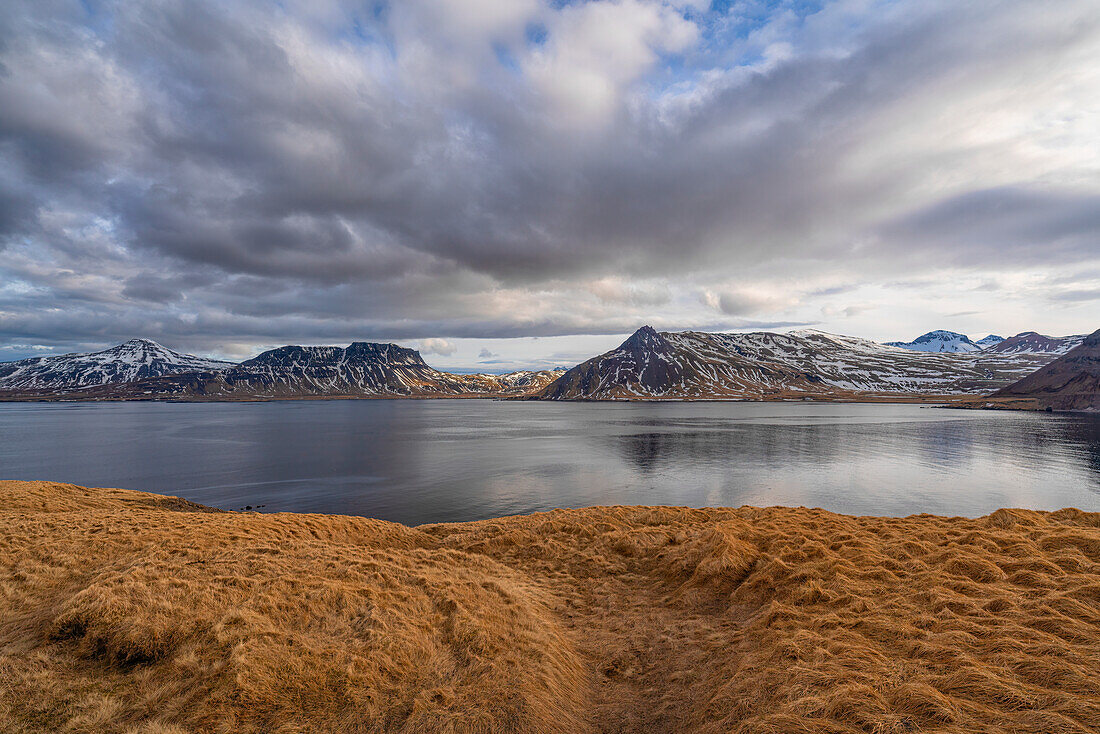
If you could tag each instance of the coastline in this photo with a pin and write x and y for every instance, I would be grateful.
(900, 398)
(132, 612)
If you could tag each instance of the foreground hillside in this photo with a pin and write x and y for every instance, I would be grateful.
(129, 612)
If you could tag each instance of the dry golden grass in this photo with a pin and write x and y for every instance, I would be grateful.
(128, 612)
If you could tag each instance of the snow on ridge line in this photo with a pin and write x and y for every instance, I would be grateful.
(756, 364)
(939, 340)
(132, 360)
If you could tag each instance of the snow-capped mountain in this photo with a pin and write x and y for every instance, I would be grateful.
(691, 365)
(363, 369)
(510, 383)
(939, 341)
(763, 365)
(136, 359)
(1070, 382)
(989, 341)
(1029, 342)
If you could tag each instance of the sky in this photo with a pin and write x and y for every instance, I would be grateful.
(520, 183)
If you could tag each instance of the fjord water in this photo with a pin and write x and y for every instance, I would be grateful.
(418, 461)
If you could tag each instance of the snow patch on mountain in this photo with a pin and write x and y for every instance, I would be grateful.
(1030, 342)
(765, 365)
(939, 341)
(136, 359)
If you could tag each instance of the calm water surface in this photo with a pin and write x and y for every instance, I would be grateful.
(417, 461)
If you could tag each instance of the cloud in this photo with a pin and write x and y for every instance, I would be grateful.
(744, 302)
(845, 312)
(441, 347)
(486, 354)
(1021, 224)
(1091, 294)
(214, 175)
(619, 291)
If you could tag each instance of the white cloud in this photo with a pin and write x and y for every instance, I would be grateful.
(437, 346)
(218, 176)
(597, 50)
(617, 290)
(749, 301)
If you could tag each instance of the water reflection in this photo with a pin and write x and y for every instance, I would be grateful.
(427, 461)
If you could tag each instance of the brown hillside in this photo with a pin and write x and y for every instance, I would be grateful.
(129, 612)
(1071, 382)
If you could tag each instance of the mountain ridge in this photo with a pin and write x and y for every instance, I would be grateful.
(1030, 342)
(939, 340)
(362, 369)
(131, 360)
(1070, 382)
(805, 363)
(764, 365)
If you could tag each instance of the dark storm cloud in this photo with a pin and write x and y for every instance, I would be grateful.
(1006, 223)
(224, 172)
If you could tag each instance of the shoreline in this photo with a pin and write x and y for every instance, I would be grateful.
(901, 399)
(950, 402)
(125, 611)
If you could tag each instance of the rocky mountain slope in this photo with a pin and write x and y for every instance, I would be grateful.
(1071, 382)
(363, 369)
(685, 365)
(136, 359)
(989, 341)
(763, 365)
(939, 341)
(1029, 342)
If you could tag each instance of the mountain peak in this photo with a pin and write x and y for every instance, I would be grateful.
(384, 352)
(139, 344)
(1070, 382)
(941, 334)
(939, 340)
(645, 339)
(1035, 343)
(136, 359)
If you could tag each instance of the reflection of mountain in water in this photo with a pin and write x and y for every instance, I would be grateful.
(644, 450)
(1087, 433)
(433, 461)
(946, 444)
(714, 448)
(944, 447)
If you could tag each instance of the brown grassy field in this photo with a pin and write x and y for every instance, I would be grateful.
(129, 612)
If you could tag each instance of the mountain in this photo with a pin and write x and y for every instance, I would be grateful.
(939, 341)
(363, 369)
(1071, 382)
(763, 365)
(510, 383)
(1029, 342)
(136, 359)
(649, 364)
(989, 341)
